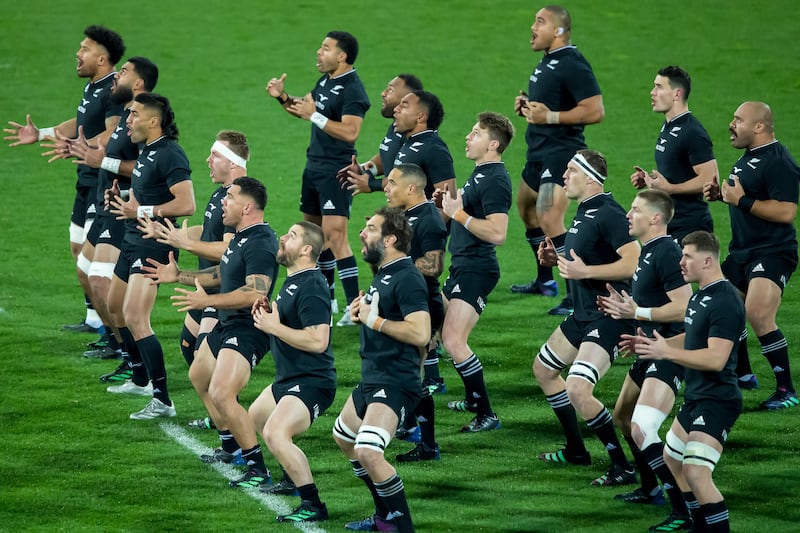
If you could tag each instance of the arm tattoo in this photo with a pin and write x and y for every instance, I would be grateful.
(431, 264)
(187, 277)
(257, 283)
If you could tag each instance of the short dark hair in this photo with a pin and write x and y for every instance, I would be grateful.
(347, 43)
(412, 82)
(678, 78)
(395, 223)
(254, 189)
(145, 69)
(500, 128)
(433, 108)
(237, 142)
(660, 202)
(413, 173)
(312, 236)
(561, 13)
(109, 39)
(703, 241)
(160, 103)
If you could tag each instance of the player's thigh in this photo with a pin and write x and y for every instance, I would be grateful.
(290, 417)
(231, 374)
(262, 408)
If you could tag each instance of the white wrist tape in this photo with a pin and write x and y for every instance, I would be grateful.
(371, 170)
(319, 120)
(111, 164)
(553, 117)
(643, 313)
(47, 132)
(144, 210)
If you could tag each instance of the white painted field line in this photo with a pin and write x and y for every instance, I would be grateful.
(275, 504)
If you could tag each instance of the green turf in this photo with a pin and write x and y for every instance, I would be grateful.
(72, 461)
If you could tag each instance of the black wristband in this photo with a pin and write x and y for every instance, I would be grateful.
(282, 100)
(746, 203)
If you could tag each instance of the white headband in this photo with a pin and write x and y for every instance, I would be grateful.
(229, 154)
(588, 169)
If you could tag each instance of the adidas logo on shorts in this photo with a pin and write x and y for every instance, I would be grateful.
(758, 268)
(233, 341)
(105, 235)
(328, 206)
(296, 388)
(456, 289)
(699, 421)
(137, 264)
(380, 394)
(594, 333)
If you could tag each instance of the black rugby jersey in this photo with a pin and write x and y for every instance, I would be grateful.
(303, 301)
(658, 272)
(213, 228)
(429, 152)
(334, 98)
(683, 143)
(716, 310)
(562, 78)
(487, 191)
(93, 110)
(119, 147)
(253, 250)
(161, 164)
(385, 360)
(429, 234)
(767, 172)
(598, 230)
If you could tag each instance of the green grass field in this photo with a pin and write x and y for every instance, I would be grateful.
(71, 459)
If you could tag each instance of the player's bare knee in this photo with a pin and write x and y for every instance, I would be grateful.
(580, 394)
(581, 380)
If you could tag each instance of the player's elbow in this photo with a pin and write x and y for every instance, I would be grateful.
(350, 135)
(788, 214)
(597, 114)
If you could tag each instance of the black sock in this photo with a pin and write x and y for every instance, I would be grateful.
(603, 427)
(654, 455)
(471, 372)
(327, 265)
(393, 495)
(153, 357)
(135, 362)
(716, 517)
(361, 473)
(426, 416)
(431, 367)
(311, 494)
(694, 509)
(254, 459)
(113, 343)
(228, 441)
(348, 275)
(646, 474)
(188, 343)
(775, 348)
(743, 368)
(566, 415)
